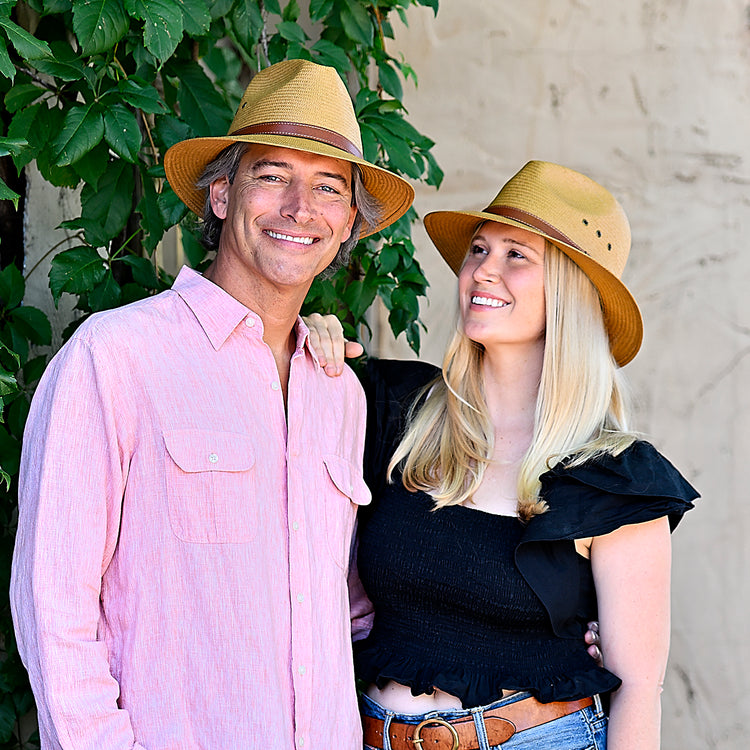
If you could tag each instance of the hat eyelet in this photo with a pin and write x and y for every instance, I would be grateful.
(598, 233)
(585, 222)
(609, 246)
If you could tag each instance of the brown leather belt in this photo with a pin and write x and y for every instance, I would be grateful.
(460, 734)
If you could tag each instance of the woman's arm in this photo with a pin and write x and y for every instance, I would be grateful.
(631, 569)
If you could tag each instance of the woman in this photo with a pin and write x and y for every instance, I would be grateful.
(511, 502)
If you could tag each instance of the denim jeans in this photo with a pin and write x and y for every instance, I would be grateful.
(582, 730)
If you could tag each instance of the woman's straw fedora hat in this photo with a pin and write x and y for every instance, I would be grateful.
(575, 214)
(294, 104)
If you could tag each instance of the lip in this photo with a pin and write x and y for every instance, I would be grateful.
(487, 301)
(303, 240)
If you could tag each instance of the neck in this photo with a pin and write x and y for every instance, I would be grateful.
(277, 308)
(511, 382)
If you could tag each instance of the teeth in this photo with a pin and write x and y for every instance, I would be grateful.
(487, 302)
(289, 238)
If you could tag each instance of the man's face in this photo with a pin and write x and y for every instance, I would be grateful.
(285, 216)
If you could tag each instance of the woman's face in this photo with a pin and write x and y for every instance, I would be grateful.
(501, 287)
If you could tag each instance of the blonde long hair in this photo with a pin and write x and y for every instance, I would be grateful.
(581, 408)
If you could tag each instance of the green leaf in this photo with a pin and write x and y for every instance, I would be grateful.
(272, 6)
(144, 273)
(195, 16)
(105, 295)
(99, 24)
(291, 11)
(292, 32)
(247, 22)
(201, 105)
(356, 22)
(34, 324)
(28, 46)
(93, 165)
(151, 221)
(8, 382)
(172, 209)
(7, 68)
(13, 146)
(193, 249)
(83, 128)
(6, 194)
(107, 207)
(75, 271)
(390, 80)
(320, 9)
(12, 286)
(169, 130)
(141, 95)
(63, 64)
(162, 25)
(22, 95)
(34, 369)
(331, 54)
(388, 258)
(122, 132)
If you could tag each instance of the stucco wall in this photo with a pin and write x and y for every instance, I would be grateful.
(652, 99)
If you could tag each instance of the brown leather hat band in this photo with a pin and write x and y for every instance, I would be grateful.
(534, 222)
(300, 130)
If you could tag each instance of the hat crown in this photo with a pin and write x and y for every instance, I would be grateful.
(584, 214)
(302, 92)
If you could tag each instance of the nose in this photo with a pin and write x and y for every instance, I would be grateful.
(488, 270)
(298, 203)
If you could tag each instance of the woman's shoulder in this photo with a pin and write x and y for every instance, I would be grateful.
(598, 496)
(397, 374)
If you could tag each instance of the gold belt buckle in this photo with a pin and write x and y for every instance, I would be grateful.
(417, 740)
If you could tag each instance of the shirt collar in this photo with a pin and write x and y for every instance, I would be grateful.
(219, 313)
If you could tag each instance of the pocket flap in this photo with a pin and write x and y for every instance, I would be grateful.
(347, 478)
(205, 450)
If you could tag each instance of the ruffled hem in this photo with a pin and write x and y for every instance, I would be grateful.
(379, 666)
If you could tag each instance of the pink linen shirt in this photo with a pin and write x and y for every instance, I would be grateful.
(180, 572)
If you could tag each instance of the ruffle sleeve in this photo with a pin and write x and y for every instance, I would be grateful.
(593, 499)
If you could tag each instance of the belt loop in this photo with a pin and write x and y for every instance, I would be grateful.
(387, 730)
(598, 707)
(478, 715)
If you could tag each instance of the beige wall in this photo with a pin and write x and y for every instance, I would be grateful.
(652, 99)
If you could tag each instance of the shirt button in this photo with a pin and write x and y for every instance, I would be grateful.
(300, 598)
(249, 322)
(213, 458)
(301, 741)
(295, 526)
(302, 669)
(275, 386)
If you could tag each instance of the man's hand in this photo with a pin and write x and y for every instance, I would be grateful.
(592, 638)
(328, 342)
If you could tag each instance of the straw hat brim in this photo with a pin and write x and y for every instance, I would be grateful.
(185, 161)
(451, 232)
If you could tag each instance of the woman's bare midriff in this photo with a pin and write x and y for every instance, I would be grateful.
(397, 697)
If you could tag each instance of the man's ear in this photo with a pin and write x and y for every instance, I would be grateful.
(218, 191)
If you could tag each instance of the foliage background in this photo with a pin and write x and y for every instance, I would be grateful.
(94, 92)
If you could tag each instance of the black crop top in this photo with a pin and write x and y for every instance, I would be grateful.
(473, 603)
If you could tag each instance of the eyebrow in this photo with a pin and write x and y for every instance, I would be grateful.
(262, 163)
(507, 241)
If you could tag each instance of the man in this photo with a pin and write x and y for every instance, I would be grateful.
(190, 476)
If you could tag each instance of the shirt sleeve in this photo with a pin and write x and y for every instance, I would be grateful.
(71, 484)
(362, 611)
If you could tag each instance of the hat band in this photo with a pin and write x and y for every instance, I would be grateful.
(301, 130)
(516, 214)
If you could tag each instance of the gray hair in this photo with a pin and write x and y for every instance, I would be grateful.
(226, 164)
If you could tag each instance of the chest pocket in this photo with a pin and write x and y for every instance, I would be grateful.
(209, 477)
(341, 508)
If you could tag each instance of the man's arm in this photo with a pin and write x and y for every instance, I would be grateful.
(70, 492)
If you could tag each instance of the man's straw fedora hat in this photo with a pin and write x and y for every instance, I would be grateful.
(575, 214)
(294, 104)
